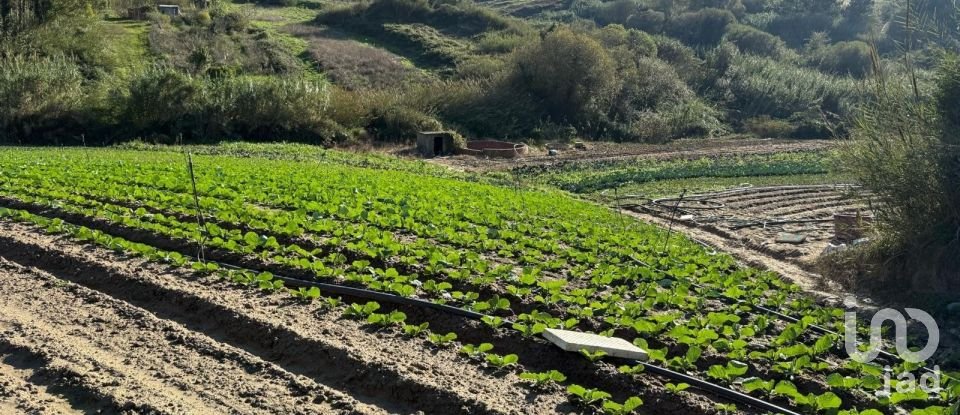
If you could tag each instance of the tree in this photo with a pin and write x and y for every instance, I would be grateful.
(570, 72)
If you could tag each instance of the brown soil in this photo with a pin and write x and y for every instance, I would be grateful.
(754, 217)
(142, 337)
(608, 151)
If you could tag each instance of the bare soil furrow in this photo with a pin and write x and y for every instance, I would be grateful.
(145, 358)
(381, 371)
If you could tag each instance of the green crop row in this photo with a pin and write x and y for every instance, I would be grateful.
(531, 259)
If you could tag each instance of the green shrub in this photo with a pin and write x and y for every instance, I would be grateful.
(503, 41)
(570, 72)
(904, 151)
(796, 28)
(650, 85)
(37, 94)
(268, 107)
(844, 58)
(632, 41)
(683, 59)
(702, 27)
(650, 21)
(762, 86)
(755, 41)
(230, 23)
(694, 117)
(431, 47)
(160, 100)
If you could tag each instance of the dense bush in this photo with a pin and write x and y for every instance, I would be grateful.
(761, 86)
(683, 59)
(571, 73)
(843, 58)
(904, 150)
(755, 41)
(37, 96)
(796, 28)
(630, 41)
(702, 27)
(160, 101)
(226, 46)
(457, 17)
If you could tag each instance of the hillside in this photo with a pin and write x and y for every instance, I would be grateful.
(333, 72)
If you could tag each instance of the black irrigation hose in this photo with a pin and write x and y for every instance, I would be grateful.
(364, 293)
(721, 391)
(717, 389)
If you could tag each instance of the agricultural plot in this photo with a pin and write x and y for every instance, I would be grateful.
(794, 222)
(391, 291)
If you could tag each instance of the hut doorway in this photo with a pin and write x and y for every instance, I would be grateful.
(437, 146)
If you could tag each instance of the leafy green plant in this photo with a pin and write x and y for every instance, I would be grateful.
(631, 370)
(756, 384)
(542, 379)
(587, 396)
(501, 362)
(384, 320)
(304, 294)
(676, 388)
(414, 330)
(476, 352)
(593, 356)
(359, 311)
(729, 372)
(441, 340)
(818, 403)
(627, 407)
(688, 360)
(726, 408)
(492, 321)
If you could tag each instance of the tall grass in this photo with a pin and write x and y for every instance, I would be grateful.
(904, 149)
(763, 86)
(36, 94)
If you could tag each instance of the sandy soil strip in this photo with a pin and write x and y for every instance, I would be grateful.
(113, 356)
(379, 370)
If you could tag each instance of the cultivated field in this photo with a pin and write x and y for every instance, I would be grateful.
(323, 282)
(759, 216)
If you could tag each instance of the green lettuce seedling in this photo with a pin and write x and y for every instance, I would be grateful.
(542, 379)
(441, 340)
(627, 407)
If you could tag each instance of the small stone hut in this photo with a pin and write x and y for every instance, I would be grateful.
(435, 143)
(169, 9)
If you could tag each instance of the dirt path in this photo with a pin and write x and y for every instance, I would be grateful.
(608, 151)
(145, 337)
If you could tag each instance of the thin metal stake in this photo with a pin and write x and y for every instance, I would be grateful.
(196, 201)
(673, 216)
(616, 197)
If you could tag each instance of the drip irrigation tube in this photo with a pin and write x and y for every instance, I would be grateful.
(365, 293)
(717, 389)
(721, 391)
